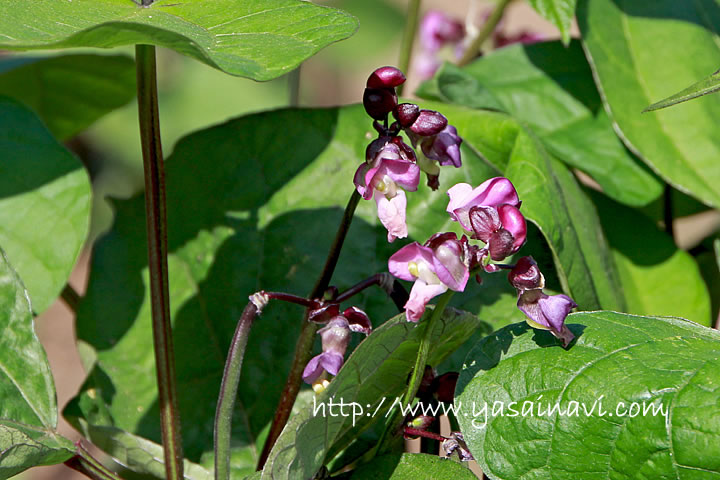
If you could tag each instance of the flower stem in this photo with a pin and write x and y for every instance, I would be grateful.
(423, 433)
(303, 347)
(387, 282)
(71, 297)
(408, 40)
(156, 218)
(474, 48)
(417, 372)
(228, 392)
(294, 86)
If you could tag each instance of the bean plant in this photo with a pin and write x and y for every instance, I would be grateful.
(509, 267)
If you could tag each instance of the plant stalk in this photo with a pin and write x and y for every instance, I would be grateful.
(294, 86)
(474, 48)
(71, 297)
(84, 463)
(228, 392)
(156, 218)
(408, 39)
(303, 347)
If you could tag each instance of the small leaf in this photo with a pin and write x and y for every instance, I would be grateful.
(617, 361)
(371, 379)
(703, 87)
(559, 12)
(44, 203)
(622, 41)
(258, 40)
(412, 466)
(69, 92)
(28, 411)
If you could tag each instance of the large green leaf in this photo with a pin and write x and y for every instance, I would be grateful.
(622, 40)
(28, 411)
(44, 203)
(559, 12)
(69, 92)
(657, 277)
(705, 86)
(411, 466)
(255, 39)
(550, 88)
(618, 360)
(371, 379)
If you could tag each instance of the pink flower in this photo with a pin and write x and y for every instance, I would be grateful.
(391, 213)
(435, 267)
(503, 229)
(437, 29)
(491, 193)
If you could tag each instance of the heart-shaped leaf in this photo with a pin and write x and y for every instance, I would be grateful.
(411, 466)
(28, 411)
(622, 39)
(44, 195)
(550, 88)
(632, 397)
(371, 380)
(258, 40)
(69, 92)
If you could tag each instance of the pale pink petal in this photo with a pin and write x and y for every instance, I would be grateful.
(392, 214)
(404, 173)
(414, 252)
(420, 295)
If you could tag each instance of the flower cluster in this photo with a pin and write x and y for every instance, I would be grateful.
(390, 164)
(489, 213)
(335, 339)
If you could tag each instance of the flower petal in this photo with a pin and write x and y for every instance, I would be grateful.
(392, 214)
(420, 295)
(414, 252)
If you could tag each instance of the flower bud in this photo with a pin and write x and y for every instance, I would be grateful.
(406, 114)
(429, 123)
(358, 321)
(526, 275)
(324, 313)
(444, 386)
(378, 102)
(386, 77)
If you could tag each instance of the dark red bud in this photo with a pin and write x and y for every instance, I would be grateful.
(433, 181)
(324, 313)
(358, 320)
(386, 77)
(440, 238)
(484, 222)
(429, 123)
(406, 114)
(444, 386)
(375, 147)
(405, 149)
(378, 102)
(526, 275)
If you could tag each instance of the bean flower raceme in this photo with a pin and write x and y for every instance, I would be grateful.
(437, 265)
(546, 312)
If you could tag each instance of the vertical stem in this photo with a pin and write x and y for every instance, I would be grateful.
(668, 212)
(487, 30)
(408, 40)
(294, 86)
(303, 348)
(156, 219)
(228, 392)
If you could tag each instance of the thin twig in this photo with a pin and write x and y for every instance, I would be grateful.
(392, 287)
(71, 297)
(156, 218)
(408, 39)
(474, 48)
(86, 464)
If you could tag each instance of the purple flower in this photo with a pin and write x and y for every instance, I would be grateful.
(438, 142)
(546, 312)
(503, 229)
(437, 29)
(435, 267)
(491, 193)
(335, 339)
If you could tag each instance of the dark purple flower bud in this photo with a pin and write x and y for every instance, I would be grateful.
(444, 386)
(429, 123)
(484, 222)
(547, 312)
(375, 147)
(526, 275)
(406, 152)
(386, 77)
(456, 443)
(358, 320)
(378, 102)
(324, 313)
(502, 228)
(433, 181)
(444, 147)
(406, 114)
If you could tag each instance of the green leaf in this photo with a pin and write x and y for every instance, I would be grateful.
(28, 411)
(69, 92)
(371, 379)
(706, 86)
(622, 40)
(559, 12)
(657, 277)
(551, 198)
(656, 362)
(44, 203)
(258, 40)
(411, 466)
(550, 88)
